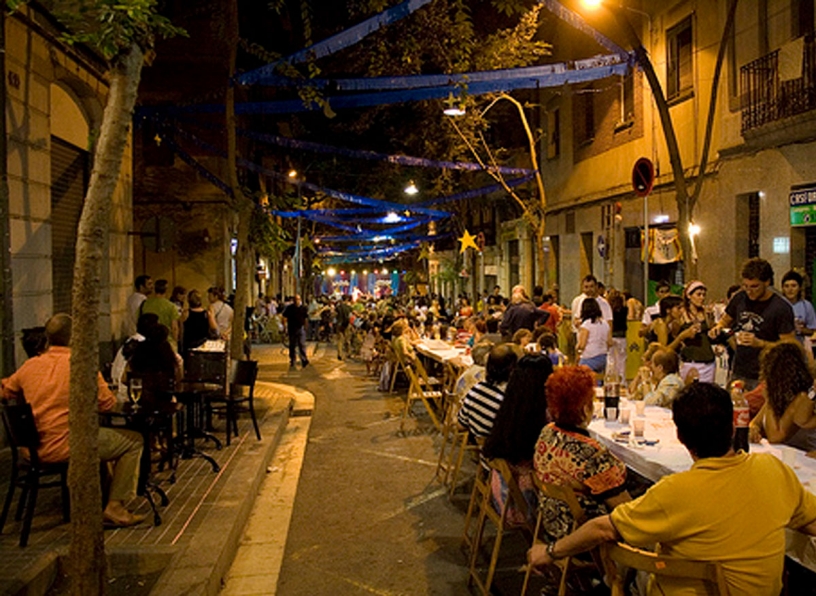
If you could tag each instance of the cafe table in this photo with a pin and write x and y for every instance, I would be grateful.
(443, 352)
(660, 453)
(193, 394)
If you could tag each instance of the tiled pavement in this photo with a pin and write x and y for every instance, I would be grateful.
(200, 526)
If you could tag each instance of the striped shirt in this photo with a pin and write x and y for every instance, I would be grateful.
(480, 407)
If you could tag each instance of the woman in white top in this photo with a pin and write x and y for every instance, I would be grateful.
(594, 337)
(221, 312)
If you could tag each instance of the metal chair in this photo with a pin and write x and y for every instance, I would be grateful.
(29, 474)
(239, 398)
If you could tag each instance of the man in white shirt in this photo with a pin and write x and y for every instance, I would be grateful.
(144, 287)
(589, 289)
(650, 313)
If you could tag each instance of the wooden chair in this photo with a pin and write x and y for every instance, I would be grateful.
(614, 554)
(239, 398)
(455, 443)
(430, 398)
(568, 564)
(481, 485)
(29, 474)
(515, 499)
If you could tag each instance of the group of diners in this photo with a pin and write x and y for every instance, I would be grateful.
(162, 328)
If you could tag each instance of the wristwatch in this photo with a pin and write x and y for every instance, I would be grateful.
(551, 550)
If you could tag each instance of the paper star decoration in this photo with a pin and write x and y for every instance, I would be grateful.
(468, 240)
(424, 252)
(158, 140)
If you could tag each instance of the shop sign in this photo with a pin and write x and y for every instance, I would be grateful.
(803, 207)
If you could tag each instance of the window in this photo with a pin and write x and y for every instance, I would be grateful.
(679, 75)
(584, 117)
(553, 133)
(627, 99)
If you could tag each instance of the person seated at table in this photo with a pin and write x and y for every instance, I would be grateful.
(565, 454)
(401, 343)
(478, 329)
(481, 403)
(548, 344)
(729, 507)
(522, 337)
(787, 415)
(122, 359)
(659, 382)
(43, 381)
(475, 373)
(155, 357)
(492, 325)
(522, 415)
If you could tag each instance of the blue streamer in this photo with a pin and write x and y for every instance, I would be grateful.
(477, 192)
(293, 106)
(342, 40)
(404, 160)
(578, 23)
(443, 80)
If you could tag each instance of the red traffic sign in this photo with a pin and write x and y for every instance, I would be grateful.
(643, 176)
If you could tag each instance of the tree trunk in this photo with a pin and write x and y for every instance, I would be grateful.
(87, 552)
(242, 205)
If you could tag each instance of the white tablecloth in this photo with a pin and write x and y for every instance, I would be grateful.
(668, 456)
(442, 351)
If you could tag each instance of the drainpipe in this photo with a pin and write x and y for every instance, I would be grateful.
(6, 314)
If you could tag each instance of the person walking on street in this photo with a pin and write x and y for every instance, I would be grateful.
(521, 314)
(342, 326)
(295, 315)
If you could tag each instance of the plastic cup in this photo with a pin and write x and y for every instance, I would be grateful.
(640, 408)
(599, 409)
(638, 426)
(624, 416)
(611, 414)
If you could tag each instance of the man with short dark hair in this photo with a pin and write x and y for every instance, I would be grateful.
(144, 287)
(729, 507)
(167, 312)
(481, 403)
(295, 315)
(43, 381)
(759, 316)
(650, 313)
(589, 289)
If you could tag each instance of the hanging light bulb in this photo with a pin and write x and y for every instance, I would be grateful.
(411, 189)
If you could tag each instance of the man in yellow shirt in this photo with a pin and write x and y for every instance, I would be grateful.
(729, 507)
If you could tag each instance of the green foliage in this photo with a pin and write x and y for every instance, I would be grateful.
(448, 271)
(266, 236)
(112, 26)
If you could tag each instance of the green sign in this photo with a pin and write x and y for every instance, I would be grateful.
(803, 215)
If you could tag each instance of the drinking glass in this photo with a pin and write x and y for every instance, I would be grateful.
(135, 392)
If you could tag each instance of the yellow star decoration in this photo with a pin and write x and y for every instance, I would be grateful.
(158, 139)
(424, 252)
(468, 240)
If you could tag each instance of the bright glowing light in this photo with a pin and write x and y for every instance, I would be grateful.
(292, 173)
(592, 4)
(331, 272)
(393, 217)
(660, 219)
(317, 240)
(411, 189)
(365, 271)
(384, 271)
(454, 111)
(694, 229)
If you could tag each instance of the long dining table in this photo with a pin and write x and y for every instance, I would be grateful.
(660, 453)
(443, 352)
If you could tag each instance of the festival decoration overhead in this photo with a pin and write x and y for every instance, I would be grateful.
(468, 241)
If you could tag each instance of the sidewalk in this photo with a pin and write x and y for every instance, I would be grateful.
(191, 551)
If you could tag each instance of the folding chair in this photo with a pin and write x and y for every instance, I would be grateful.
(416, 392)
(481, 485)
(455, 443)
(567, 564)
(614, 554)
(29, 474)
(516, 499)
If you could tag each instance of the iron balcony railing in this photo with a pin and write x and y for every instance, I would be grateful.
(766, 98)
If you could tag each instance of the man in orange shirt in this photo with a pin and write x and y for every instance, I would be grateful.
(43, 381)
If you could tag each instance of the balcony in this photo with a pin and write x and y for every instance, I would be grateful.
(768, 92)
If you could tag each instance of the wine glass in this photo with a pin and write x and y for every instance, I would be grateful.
(135, 392)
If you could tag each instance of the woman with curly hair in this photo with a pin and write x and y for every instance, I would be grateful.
(788, 414)
(566, 455)
(521, 417)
